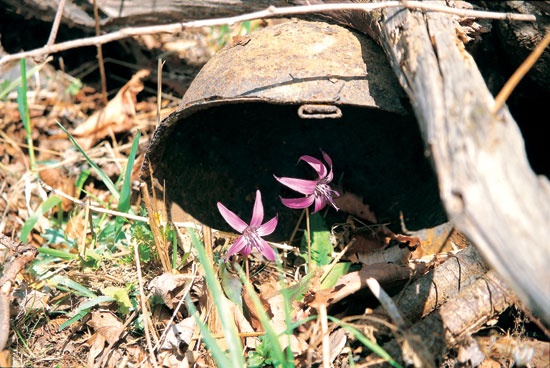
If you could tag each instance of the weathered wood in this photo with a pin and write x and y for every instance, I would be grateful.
(487, 186)
(461, 316)
(116, 14)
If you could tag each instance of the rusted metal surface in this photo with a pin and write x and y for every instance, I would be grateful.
(299, 62)
(279, 93)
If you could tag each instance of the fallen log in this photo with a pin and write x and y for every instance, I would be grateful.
(486, 184)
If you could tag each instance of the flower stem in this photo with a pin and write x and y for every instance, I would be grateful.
(246, 267)
(308, 230)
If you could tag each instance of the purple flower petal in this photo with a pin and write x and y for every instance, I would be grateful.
(306, 187)
(268, 227)
(266, 250)
(320, 203)
(258, 211)
(233, 220)
(327, 158)
(238, 246)
(297, 203)
(316, 164)
(316, 191)
(251, 235)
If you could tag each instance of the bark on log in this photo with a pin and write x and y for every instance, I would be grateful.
(486, 184)
(429, 292)
(462, 316)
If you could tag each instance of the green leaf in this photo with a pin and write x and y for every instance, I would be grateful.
(92, 259)
(231, 286)
(276, 352)
(81, 180)
(44, 207)
(23, 107)
(77, 317)
(121, 296)
(337, 271)
(126, 190)
(106, 180)
(213, 347)
(74, 87)
(228, 323)
(321, 246)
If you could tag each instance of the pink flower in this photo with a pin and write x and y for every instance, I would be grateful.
(251, 235)
(316, 191)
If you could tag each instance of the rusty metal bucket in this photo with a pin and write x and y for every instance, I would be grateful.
(279, 93)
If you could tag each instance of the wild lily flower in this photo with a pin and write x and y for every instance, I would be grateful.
(251, 235)
(316, 191)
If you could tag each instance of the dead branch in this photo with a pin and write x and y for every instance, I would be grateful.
(463, 315)
(486, 183)
(21, 257)
(349, 284)
(429, 292)
(267, 13)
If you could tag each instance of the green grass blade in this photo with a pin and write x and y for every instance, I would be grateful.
(4, 91)
(373, 346)
(84, 309)
(58, 253)
(126, 190)
(104, 178)
(24, 111)
(217, 353)
(276, 353)
(228, 323)
(84, 175)
(59, 280)
(288, 296)
(44, 207)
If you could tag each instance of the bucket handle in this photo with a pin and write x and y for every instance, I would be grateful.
(319, 111)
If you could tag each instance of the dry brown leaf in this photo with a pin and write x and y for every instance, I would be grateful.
(353, 204)
(116, 117)
(108, 328)
(56, 178)
(107, 325)
(97, 344)
(271, 292)
(249, 305)
(395, 254)
(169, 287)
(179, 336)
(75, 226)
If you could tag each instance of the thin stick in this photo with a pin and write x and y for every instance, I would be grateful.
(55, 25)
(324, 331)
(143, 303)
(176, 310)
(247, 267)
(387, 302)
(520, 72)
(296, 227)
(159, 88)
(267, 13)
(100, 57)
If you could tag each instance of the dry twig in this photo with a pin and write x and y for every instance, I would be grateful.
(267, 13)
